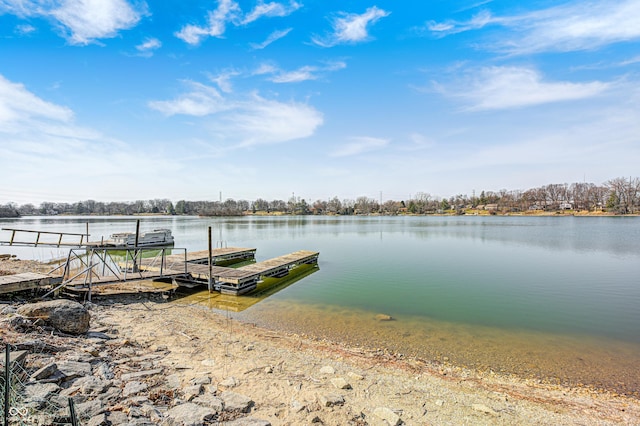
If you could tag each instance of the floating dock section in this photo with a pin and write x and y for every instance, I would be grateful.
(219, 256)
(192, 269)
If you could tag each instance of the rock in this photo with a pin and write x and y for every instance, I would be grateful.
(89, 409)
(204, 380)
(103, 371)
(248, 421)
(340, 383)
(189, 414)
(117, 418)
(65, 315)
(297, 406)
(152, 412)
(249, 347)
(211, 401)
(110, 396)
(141, 374)
(229, 382)
(439, 402)
(234, 402)
(173, 381)
(98, 335)
(91, 385)
(327, 369)
(331, 399)
(45, 372)
(483, 409)
(191, 392)
(72, 369)
(354, 376)
(208, 362)
(384, 317)
(8, 310)
(387, 415)
(268, 370)
(38, 394)
(139, 400)
(99, 420)
(132, 388)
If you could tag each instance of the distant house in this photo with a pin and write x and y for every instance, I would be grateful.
(565, 206)
(491, 207)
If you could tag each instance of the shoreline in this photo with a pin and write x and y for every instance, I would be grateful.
(422, 391)
(278, 369)
(467, 212)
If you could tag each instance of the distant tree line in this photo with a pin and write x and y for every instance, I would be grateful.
(619, 196)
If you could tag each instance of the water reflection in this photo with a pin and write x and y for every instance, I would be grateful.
(225, 302)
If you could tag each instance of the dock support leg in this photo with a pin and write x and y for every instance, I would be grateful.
(210, 263)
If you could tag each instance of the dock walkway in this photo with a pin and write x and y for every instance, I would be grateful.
(236, 281)
(24, 281)
(189, 269)
(219, 256)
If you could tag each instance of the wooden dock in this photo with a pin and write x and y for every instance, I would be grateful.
(24, 281)
(235, 281)
(219, 256)
(188, 269)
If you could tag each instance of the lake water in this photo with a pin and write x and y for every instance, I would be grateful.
(555, 298)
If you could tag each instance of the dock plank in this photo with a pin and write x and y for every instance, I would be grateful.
(24, 281)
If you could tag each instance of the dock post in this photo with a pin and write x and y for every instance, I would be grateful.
(210, 262)
(135, 247)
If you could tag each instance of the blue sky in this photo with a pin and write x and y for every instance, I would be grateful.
(117, 100)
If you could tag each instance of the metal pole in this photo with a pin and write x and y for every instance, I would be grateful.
(7, 383)
(72, 413)
(210, 262)
(135, 248)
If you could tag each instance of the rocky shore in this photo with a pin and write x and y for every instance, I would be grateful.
(137, 359)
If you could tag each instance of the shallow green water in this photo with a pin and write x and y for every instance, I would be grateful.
(496, 285)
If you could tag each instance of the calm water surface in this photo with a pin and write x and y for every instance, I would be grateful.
(556, 298)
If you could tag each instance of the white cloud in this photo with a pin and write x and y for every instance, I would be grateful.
(579, 26)
(25, 29)
(351, 27)
(147, 47)
(19, 106)
(94, 19)
(223, 80)
(227, 11)
(274, 36)
(301, 74)
(82, 21)
(244, 121)
(512, 87)
(200, 101)
(271, 9)
(573, 26)
(261, 121)
(265, 69)
(359, 145)
(442, 29)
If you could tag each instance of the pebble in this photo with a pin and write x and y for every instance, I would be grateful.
(327, 369)
(483, 409)
(340, 383)
(387, 415)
